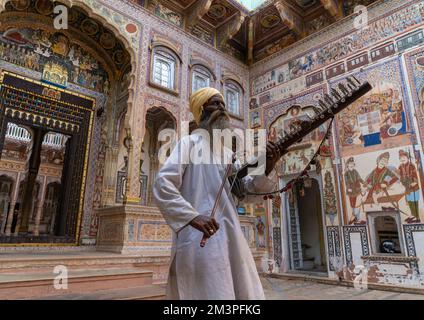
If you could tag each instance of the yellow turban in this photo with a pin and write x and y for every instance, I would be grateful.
(199, 98)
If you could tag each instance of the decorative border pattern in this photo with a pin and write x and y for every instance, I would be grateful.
(334, 248)
(408, 230)
(347, 230)
(277, 246)
(139, 233)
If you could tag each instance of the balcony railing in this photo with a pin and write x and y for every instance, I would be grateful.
(55, 140)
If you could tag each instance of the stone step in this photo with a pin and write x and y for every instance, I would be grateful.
(27, 285)
(43, 262)
(152, 292)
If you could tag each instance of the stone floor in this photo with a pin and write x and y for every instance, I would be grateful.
(282, 289)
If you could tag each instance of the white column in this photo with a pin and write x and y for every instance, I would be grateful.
(12, 205)
(39, 208)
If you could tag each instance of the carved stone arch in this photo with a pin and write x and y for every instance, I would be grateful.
(87, 43)
(125, 39)
(171, 108)
(160, 108)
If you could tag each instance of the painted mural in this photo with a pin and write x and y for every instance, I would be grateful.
(169, 15)
(203, 34)
(378, 118)
(415, 69)
(341, 48)
(260, 225)
(330, 200)
(384, 180)
(44, 51)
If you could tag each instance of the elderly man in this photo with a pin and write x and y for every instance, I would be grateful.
(185, 193)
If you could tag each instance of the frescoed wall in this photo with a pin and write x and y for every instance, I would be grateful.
(374, 166)
(378, 118)
(339, 49)
(259, 213)
(382, 181)
(41, 50)
(415, 72)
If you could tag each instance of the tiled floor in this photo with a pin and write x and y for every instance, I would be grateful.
(282, 289)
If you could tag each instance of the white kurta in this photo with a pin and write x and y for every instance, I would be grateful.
(224, 268)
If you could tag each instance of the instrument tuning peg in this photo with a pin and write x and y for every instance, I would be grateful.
(351, 83)
(328, 100)
(322, 105)
(319, 112)
(335, 93)
(316, 110)
(356, 80)
(344, 90)
(351, 87)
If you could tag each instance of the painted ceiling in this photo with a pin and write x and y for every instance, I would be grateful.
(251, 30)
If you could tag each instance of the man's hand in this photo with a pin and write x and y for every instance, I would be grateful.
(205, 224)
(272, 156)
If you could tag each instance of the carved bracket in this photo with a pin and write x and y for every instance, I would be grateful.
(230, 28)
(333, 8)
(290, 18)
(196, 11)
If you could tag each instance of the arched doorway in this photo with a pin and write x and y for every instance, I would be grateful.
(305, 226)
(157, 119)
(64, 87)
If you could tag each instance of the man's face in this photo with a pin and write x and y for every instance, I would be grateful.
(213, 104)
(403, 160)
(350, 166)
(382, 163)
(214, 115)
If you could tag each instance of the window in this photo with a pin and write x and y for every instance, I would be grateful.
(164, 69)
(384, 232)
(233, 98)
(201, 79)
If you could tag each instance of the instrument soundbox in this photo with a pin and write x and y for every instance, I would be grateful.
(329, 106)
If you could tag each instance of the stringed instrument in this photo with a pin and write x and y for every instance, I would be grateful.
(329, 106)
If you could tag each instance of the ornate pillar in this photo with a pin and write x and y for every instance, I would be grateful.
(39, 208)
(12, 205)
(134, 129)
(32, 172)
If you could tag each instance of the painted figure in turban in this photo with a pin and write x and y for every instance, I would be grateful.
(354, 184)
(409, 179)
(380, 179)
(185, 193)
